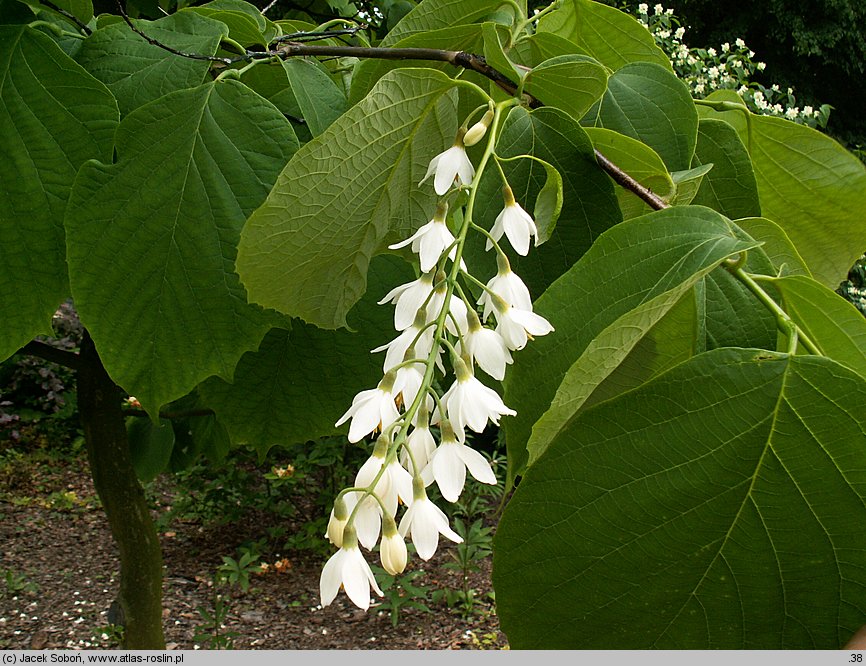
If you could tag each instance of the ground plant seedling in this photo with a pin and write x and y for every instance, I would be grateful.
(546, 229)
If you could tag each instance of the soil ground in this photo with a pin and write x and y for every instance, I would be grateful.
(60, 569)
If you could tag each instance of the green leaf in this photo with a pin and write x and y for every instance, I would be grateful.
(649, 103)
(687, 183)
(830, 321)
(137, 72)
(242, 28)
(305, 251)
(809, 185)
(640, 162)
(53, 118)
(588, 204)
(80, 9)
(286, 377)
(157, 232)
(572, 83)
(13, 12)
(150, 446)
(532, 50)
(601, 308)
(610, 36)
(776, 245)
(438, 14)
(730, 187)
(320, 101)
(711, 508)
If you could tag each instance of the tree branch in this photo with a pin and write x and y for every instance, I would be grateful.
(81, 25)
(182, 414)
(461, 59)
(49, 353)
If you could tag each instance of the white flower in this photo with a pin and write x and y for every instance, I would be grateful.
(451, 165)
(658, 9)
(486, 348)
(508, 286)
(643, 8)
(337, 522)
(449, 464)
(348, 569)
(421, 444)
(712, 52)
(456, 318)
(807, 111)
(518, 326)
(397, 348)
(515, 223)
(393, 552)
(408, 298)
(431, 240)
(470, 403)
(679, 32)
(408, 383)
(424, 522)
(394, 483)
(475, 133)
(761, 66)
(371, 410)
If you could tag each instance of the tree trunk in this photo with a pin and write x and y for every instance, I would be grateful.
(140, 599)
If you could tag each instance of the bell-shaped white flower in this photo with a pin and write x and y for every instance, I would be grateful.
(508, 286)
(470, 403)
(515, 223)
(455, 321)
(337, 522)
(485, 347)
(450, 166)
(449, 463)
(348, 569)
(408, 298)
(408, 382)
(371, 410)
(518, 326)
(424, 522)
(394, 482)
(431, 240)
(392, 549)
(419, 445)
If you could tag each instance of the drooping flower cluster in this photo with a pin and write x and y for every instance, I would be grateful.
(435, 321)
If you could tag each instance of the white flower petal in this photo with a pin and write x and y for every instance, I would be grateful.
(449, 470)
(476, 464)
(331, 578)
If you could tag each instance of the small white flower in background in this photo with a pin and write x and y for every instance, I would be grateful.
(643, 8)
(659, 10)
(408, 298)
(348, 569)
(739, 42)
(392, 549)
(726, 47)
(807, 110)
(711, 51)
(431, 240)
(449, 464)
(470, 403)
(679, 32)
(450, 166)
(515, 223)
(761, 65)
(508, 286)
(371, 410)
(517, 326)
(485, 347)
(424, 522)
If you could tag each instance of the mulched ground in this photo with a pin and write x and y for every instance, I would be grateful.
(54, 534)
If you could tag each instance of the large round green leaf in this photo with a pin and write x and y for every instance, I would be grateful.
(808, 184)
(152, 238)
(345, 195)
(601, 308)
(54, 116)
(715, 507)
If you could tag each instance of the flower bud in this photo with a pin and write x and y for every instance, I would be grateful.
(392, 549)
(337, 523)
(475, 133)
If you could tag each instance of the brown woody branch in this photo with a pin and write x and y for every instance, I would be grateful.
(59, 356)
(461, 59)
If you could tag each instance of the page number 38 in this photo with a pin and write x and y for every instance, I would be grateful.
(856, 657)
